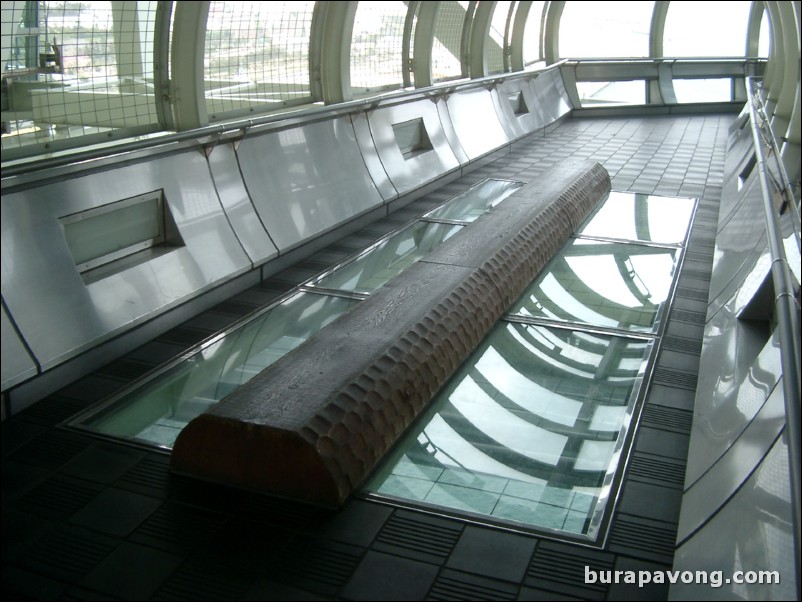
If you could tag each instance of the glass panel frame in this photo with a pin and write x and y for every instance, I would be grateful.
(471, 470)
(612, 93)
(624, 271)
(625, 27)
(636, 217)
(471, 204)
(152, 411)
(402, 248)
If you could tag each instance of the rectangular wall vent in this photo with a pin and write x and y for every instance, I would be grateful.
(747, 171)
(412, 138)
(518, 103)
(105, 240)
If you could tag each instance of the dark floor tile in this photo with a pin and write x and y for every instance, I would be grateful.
(492, 553)
(102, 462)
(116, 512)
(132, 572)
(358, 522)
(383, 577)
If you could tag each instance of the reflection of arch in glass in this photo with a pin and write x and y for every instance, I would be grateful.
(604, 284)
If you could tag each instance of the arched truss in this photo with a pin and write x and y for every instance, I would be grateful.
(432, 41)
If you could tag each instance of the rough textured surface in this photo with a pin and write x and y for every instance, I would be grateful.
(315, 423)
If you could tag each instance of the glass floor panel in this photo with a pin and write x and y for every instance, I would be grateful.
(529, 430)
(383, 262)
(642, 217)
(606, 284)
(156, 411)
(476, 201)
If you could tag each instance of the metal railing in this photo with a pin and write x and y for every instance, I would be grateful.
(786, 302)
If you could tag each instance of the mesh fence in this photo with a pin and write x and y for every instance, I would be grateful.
(495, 40)
(256, 54)
(377, 45)
(75, 68)
(446, 49)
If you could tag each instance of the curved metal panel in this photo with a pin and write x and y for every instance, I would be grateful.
(739, 243)
(518, 107)
(57, 312)
(306, 180)
(237, 205)
(408, 173)
(477, 136)
(753, 532)
(449, 131)
(738, 370)
(370, 155)
(551, 95)
(17, 364)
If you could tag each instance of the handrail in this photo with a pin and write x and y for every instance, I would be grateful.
(291, 117)
(787, 313)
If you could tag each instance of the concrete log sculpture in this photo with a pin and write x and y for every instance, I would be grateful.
(314, 424)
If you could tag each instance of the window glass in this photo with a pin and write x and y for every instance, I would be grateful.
(764, 41)
(611, 93)
(702, 29)
(703, 90)
(446, 49)
(642, 217)
(529, 430)
(611, 285)
(157, 411)
(74, 69)
(495, 40)
(476, 201)
(388, 259)
(256, 53)
(605, 29)
(377, 45)
(532, 33)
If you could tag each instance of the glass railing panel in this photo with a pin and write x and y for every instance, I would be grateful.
(475, 201)
(605, 284)
(157, 410)
(386, 260)
(641, 217)
(530, 429)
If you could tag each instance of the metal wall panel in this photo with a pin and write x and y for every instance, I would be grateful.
(518, 125)
(371, 157)
(17, 364)
(477, 135)
(736, 507)
(58, 314)
(450, 132)
(726, 475)
(237, 204)
(552, 98)
(306, 180)
(408, 173)
(752, 532)
(740, 241)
